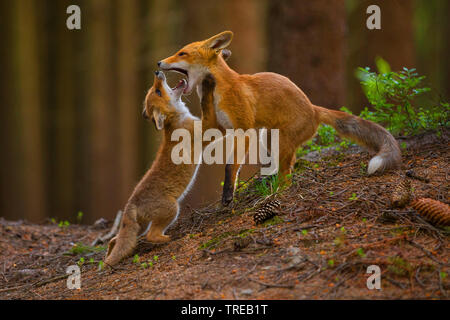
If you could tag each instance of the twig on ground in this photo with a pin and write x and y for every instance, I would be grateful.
(111, 233)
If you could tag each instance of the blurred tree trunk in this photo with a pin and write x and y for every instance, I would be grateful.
(247, 20)
(129, 105)
(103, 175)
(10, 201)
(29, 107)
(432, 28)
(63, 115)
(306, 42)
(394, 42)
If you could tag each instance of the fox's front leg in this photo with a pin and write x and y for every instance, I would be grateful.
(231, 172)
(209, 118)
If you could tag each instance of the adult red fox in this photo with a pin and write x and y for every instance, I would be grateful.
(154, 201)
(272, 101)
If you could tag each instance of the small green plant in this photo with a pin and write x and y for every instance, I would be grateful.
(326, 137)
(331, 263)
(399, 266)
(267, 186)
(100, 265)
(326, 134)
(443, 275)
(136, 258)
(304, 232)
(362, 168)
(80, 262)
(155, 258)
(360, 252)
(393, 96)
(80, 248)
(64, 224)
(79, 216)
(353, 197)
(273, 221)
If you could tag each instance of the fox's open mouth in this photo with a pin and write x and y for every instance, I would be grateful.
(181, 85)
(185, 81)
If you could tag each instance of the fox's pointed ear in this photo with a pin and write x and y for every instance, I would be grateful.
(219, 41)
(159, 119)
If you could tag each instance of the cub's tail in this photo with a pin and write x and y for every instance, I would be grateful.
(366, 133)
(124, 243)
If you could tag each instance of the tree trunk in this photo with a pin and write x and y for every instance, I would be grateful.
(129, 106)
(306, 42)
(103, 155)
(63, 130)
(394, 42)
(30, 117)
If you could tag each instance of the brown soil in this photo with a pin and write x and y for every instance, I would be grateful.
(334, 222)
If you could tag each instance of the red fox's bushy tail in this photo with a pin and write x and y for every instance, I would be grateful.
(366, 133)
(124, 243)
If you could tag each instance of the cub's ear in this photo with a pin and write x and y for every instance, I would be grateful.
(219, 41)
(226, 54)
(159, 118)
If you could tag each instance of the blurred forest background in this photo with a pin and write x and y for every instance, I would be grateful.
(72, 134)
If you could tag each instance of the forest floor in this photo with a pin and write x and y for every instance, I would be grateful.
(334, 222)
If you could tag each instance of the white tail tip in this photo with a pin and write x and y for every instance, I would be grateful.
(374, 164)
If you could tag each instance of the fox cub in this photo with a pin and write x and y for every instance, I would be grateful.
(154, 201)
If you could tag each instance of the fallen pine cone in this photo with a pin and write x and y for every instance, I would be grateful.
(267, 211)
(401, 195)
(435, 212)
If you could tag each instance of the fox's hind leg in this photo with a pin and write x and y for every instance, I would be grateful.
(164, 216)
(286, 156)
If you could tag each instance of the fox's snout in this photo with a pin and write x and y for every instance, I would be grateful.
(159, 63)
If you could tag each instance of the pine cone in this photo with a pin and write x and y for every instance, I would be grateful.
(433, 211)
(267, 211)
(401, 195)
